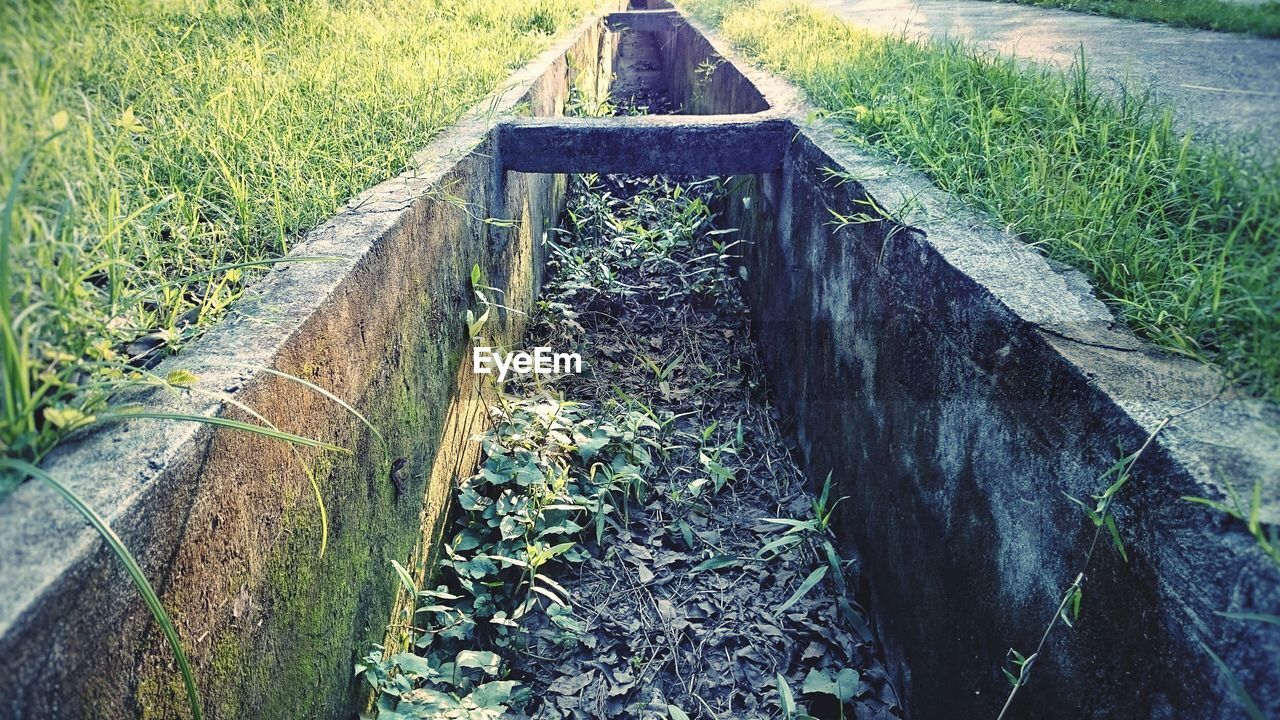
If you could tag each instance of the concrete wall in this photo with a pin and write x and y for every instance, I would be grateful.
(957, 384)
(224, 523)
(954, 382)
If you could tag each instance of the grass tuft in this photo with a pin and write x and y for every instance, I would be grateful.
(173, 148)
(1180, 239)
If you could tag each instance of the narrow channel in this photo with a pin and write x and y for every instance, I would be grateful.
(638, 541)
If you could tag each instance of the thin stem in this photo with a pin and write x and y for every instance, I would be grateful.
(1025, 671)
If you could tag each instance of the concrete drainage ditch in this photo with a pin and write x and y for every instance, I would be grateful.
(954, 382)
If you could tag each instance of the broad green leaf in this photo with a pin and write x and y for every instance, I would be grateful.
(405, 578)
(415, 665)
(778, 545)
(589, 446)
(819, 681)
(493, 694)
(1115, 536)
(686, 533)
(837, 570)
(791, 522)
(465, 540)
(787, 700)
(856, 623)
(480, 660)
(843, 686)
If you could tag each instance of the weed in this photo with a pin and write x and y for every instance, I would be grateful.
(610, 504)
(1268, 538)
(1068, 609)
(551, 471)
(148, 593)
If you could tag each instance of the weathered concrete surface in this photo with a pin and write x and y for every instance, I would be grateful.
(957, 385)
(646, 145)
(954, 381)
(959, 388)
(1222, 86)
(224, 523)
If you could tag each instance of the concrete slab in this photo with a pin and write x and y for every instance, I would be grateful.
(1223, 87)
(645, 145)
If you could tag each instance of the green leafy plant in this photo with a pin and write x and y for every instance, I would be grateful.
(843, 686)
(550, 472)
(1268, 539)
(1068, 609)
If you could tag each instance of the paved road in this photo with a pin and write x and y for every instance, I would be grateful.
(1222, 86)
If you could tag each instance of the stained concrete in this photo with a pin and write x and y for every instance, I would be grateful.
(224, 523)
(958, 385)
(642, 20)
(1223, 87)
(954, 383)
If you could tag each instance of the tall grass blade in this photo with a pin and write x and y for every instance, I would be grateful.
(1250, 707)
(814, 578)
(126, 558)
(339, 401)
(226, 423)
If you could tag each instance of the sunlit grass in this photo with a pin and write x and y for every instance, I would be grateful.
(1180, 240)
(170, 143)
(1242, 17)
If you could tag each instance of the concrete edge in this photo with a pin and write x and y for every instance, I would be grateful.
(130, 456)
(1072, 317)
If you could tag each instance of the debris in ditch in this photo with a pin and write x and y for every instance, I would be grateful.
(638, 542)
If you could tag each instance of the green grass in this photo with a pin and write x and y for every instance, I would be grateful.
(150, 149)
(1180, 240)
(1261, 19)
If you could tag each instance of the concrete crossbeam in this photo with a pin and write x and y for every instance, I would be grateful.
(642, 20)
(666, 144)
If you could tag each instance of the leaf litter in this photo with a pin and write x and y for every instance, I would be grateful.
(638, 542)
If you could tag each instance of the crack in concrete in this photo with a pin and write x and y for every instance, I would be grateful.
(1105, 346)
